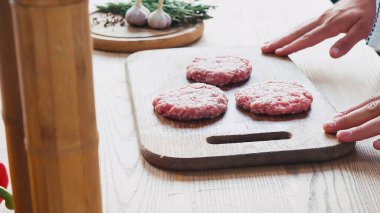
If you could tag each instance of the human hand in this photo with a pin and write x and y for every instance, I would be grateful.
(358, 123)
(353, 17)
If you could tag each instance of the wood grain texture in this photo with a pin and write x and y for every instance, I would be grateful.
(130, 184)
(12, 113)
(54, 59)
(179, 145)
(45, 3)
(123, 42)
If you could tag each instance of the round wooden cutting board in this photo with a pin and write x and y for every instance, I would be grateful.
(110, 34)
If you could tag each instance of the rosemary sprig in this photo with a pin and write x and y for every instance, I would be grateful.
(180, 12)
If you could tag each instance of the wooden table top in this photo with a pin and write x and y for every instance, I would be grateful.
(350, 184)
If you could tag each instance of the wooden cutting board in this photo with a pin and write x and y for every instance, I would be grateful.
(236, 139)
(128, 39)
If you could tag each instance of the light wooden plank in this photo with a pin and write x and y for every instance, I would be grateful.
(129, 184)
(350, 184)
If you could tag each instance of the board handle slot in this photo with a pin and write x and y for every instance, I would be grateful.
(255, 137)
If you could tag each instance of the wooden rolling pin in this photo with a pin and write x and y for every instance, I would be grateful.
(12, 113)
(53, 50)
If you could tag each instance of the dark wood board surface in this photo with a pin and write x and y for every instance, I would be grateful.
(236, 139)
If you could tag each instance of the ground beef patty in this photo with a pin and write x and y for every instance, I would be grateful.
(194, 101)
(219, 70)
(274, 98)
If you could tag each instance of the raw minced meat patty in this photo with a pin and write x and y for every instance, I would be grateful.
(274, 98)
(194, 101)
(219, 70)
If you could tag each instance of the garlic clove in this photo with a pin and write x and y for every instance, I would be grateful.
(159, 20)
(137, 15)
(145, 9)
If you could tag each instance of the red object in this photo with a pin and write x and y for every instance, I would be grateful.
(191, 102)
(274, 98)
(4, 180)
(219, 70)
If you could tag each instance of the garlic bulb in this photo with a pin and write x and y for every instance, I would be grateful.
(159, 19)
(137, 15)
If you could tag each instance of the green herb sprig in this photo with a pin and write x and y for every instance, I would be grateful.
(180, 12)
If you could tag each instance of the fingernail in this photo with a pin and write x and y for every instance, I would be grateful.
(376, 145)
(329, 127)
(278, 51)
(335, 50)
(330, 124)
(344, 134)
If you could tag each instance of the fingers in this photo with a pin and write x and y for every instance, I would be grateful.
(375, 98)
(345, 44)
(376, 144)
(272, 46)
(357, 123)
(364, 131)
(309, 39)
(320, 29)
(354, 118)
